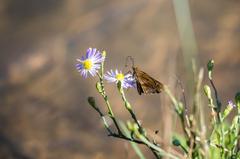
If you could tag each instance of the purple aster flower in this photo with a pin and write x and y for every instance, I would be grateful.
(91, 63)
(127, 80)
(230, 103)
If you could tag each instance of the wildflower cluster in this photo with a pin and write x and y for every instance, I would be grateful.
(220, 139)
(92, 63)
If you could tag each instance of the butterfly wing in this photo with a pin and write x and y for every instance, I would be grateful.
(145, 83)
(139, 88)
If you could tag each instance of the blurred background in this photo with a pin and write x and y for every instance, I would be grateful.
(44, 113)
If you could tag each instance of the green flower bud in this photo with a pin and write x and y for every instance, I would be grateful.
(99, 87)
(207, 91)
(180, 107)
(176, 142)
(135, 127)
(104, 53)
(210, 66)
(237, 99)
(136, 130)
(130, 126)
(91, 101)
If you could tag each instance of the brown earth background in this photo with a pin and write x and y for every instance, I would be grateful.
(44, 113)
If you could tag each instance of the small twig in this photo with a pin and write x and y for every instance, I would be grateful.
(126, 138)
(158, 149)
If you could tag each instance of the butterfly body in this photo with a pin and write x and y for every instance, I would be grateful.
(145, 83)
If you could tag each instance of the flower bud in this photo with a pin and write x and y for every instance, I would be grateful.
(130, 126)
(104, 53)
(99, 87)
(135, 127)
(176, 142)
(91, 101)
(180, 108)
(136, 130)
(210, 67)
(207, 91)
(237, 99)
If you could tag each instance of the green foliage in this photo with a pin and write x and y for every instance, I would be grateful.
(224, 136)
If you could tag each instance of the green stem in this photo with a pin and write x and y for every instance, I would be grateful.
(105, 97)
(128, 107)
(158, 149)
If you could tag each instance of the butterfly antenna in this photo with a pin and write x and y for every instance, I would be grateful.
(179, 82)
(131, 59)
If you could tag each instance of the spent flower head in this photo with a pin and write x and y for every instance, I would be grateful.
(91, 63)
(127, 80)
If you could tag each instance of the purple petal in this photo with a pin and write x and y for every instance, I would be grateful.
(84, 74)
(89, 50)
(79, 66)
(93, 51)
(83, 58)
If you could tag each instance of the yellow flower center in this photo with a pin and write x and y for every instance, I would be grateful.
(120, 77)
(87, 64)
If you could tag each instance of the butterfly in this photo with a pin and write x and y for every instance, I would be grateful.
(145, 83)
